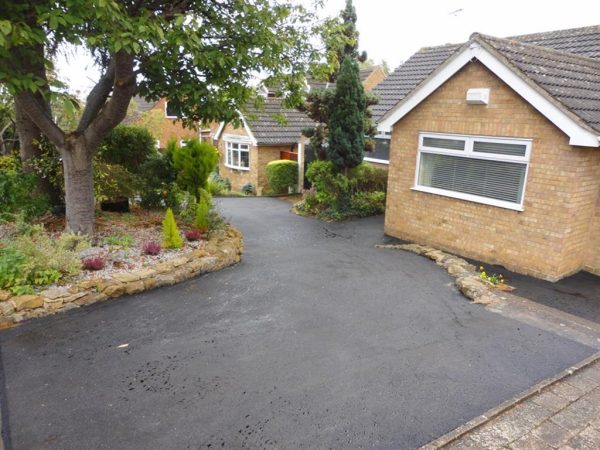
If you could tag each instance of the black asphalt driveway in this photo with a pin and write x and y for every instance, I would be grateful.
(316, 340)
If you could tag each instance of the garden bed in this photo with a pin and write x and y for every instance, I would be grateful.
(120, 242)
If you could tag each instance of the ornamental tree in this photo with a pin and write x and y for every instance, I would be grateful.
(200, 54)
(346, 122)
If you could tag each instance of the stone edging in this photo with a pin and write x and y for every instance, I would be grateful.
(467, 278)
(224, 248)
(491, 414)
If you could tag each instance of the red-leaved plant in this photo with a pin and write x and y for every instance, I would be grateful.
(93, 263)
(193, 235)
(151, 248)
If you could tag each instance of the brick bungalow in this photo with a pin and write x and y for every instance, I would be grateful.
(268, 133)
(494, 151)
(160, 121)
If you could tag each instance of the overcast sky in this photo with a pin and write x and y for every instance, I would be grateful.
(392, 30)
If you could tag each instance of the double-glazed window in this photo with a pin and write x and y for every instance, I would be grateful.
(481, 169)
(237, 155)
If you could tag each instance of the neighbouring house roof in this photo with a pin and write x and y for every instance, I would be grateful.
(366, 71)
(581, 41)
(143, 105)
(564, 87)
(273, 124)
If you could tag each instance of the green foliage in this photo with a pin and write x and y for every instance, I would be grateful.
(127, 146)
(335, 196)
(171, 236)
(248, 189)
(201, 217)
(18, 195)
(34, 259)
(9, 163)
(194, 162)
(157, 182)
(217, 185)
(346, 122)
(493, 278)
(112, 182)
(121, 240)
(282, 174)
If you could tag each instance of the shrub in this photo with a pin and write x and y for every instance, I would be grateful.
(171, 236)
(193, 235)
(248, 188)
(127, 146)
(34, 259)
(93, 263)
(217, 184)
(194, 163)
(369, 178)
(281, 175)
(201, 217)
(18, 194)
(151, 248)
(157, 187)
(365, 204)
(113, 182)
(121, 240)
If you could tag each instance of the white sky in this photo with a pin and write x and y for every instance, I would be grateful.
(392, 30)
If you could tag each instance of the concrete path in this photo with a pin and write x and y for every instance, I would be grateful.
(316, 340)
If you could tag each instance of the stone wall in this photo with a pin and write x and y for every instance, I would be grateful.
(223, 249)
(551, 238)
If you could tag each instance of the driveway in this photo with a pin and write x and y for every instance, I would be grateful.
(316, 340)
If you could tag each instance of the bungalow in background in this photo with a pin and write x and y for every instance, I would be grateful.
(494, 150)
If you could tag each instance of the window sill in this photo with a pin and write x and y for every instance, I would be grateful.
(237, 168)
(469, 198)
(375, 160)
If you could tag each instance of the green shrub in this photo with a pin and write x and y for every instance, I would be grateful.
(171, 236)
(128, 146)
(113, 181)
(194, 163)
(201, 218)
(363, 204)
(248, 189)
(9, 162)
(19, 195)
(121, 240)
(217, 185)
(34, 259)
(157, 187)
(335, 196)
(281, 175)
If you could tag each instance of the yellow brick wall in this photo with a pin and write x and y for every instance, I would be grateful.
(237, 177)
(266, 154)
(168, 129)
(593, 257)
(551, 237)
(374, 78)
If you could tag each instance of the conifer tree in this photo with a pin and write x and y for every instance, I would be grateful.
(201, 218)
(346, 122)
(171, 236)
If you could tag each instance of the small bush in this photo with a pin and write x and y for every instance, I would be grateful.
(171, 236)
(151, 248)
(120, 240)
(34, 259)
(93, 263)
(18, 194)
(281, 175)
(113, 182)
(193, 235)
(127, 146)
(217, 185)
(194, 163)
(201, 217)
(248, 189)
(365, 204)
(157, 187)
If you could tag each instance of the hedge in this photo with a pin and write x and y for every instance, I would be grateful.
(281, 174)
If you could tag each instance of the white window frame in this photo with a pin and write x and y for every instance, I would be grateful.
(469, 153)
(167, 116)
(240, 143)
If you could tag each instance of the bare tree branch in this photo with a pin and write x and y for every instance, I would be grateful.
(114, 110)
(40, 116)
(96, 98)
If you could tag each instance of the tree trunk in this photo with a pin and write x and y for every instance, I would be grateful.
(79, 186)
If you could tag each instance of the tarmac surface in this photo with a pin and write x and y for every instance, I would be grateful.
(315, 340)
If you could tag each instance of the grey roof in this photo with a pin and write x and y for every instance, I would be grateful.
(571, 80)
(142, 105)
(582, 41)
(266, 127)
(365, 72)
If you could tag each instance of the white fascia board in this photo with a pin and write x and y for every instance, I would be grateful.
(578, 135)
(219, 130)
(248, 130)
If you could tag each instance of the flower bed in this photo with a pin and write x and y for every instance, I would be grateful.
(127, 267)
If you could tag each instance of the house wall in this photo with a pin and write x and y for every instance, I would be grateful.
(593, 257)
(375, 77)
(551, 238)
(237, 177)
(167, 129)
(266, 154)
